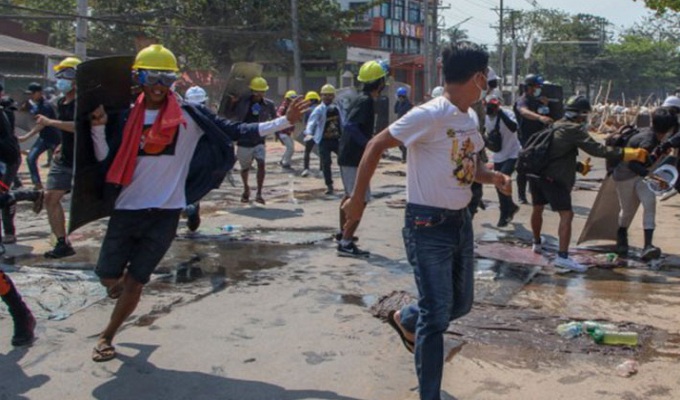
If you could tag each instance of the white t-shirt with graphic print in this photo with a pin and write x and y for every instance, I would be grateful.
(442, 143)
(159, 179)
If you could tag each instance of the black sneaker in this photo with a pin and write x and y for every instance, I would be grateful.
(502, 222)
(510, 217)
(24, 332)
(61, 250)
(193, 217)
(38, 203)
(650, 253)
(351, 250)
(329, 190)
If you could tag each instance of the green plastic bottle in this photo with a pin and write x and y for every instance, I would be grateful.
(615, 338)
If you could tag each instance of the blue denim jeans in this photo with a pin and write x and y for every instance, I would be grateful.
(506, 204)
(439, 246)
(40, 146)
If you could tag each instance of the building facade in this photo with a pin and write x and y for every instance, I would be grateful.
(396, 27)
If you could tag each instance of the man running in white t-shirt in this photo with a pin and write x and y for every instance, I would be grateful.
(443, 142)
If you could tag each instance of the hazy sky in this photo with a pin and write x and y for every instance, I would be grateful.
(618, 12)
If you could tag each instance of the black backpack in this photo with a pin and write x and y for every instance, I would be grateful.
(622, 136)
(534, 156)
(494, 139)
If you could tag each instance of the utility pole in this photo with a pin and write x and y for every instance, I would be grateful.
(501, 72)
(297, 64)
(81, 30)
(426, 48)
(435, 45)
(514, 57)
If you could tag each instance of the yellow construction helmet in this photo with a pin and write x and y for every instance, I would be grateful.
(259, 84)
(371, 71)
(156, 57)
(312, 95)
(290, 94)
(68, 62)
(328, 89)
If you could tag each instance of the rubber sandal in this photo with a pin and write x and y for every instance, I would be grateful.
(393, 323)
(245, 197)
(103, 352)
(260, 200)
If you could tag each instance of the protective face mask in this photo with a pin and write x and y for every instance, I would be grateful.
(64, 85)
(537, 92)
(482, 92)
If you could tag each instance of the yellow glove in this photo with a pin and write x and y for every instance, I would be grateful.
(631, 154)
(585, 167)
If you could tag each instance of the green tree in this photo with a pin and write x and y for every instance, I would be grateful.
(202, 33)
(640, 66)
(565, 47)
(455, 34)
(661, 6)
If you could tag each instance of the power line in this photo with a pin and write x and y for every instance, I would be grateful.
(143, 24)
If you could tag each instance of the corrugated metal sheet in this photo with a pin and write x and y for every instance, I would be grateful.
(10, 44)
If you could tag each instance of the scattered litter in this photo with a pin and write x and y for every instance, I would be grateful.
(627, 368)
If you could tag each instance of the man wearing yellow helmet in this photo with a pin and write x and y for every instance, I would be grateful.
(359, 130)
(61, 171)
(252, 108)
(169, 155)
(325, 127)
(285, 135)
(314, 100)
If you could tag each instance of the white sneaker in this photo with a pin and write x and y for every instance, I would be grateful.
(537, 248)
(668, 195)
(570, 264)
(305, 173)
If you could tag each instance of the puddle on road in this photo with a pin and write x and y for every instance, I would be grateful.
(496, 282)
(57, 289)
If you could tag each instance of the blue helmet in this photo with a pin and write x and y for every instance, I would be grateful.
(402, 91)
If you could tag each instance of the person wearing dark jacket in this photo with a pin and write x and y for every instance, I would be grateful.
(161, 157)
(632, 190)
(10, 156)
(532, 111)
(557, 179)
(252, 108)
(401, 107)
(60, 177)
(49, 137)
(359, 129)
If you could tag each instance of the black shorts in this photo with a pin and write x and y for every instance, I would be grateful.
(544, 191)
(136, 240)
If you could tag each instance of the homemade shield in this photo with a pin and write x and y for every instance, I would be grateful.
(105, 81)
(603, 220)
(238, 83)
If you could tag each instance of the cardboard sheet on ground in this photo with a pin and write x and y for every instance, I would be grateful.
(510, 253)
(238, 83)
(603, 218)
(105, 81)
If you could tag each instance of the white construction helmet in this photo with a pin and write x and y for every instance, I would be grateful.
(196, 95)
(438, 91)
(671, 101)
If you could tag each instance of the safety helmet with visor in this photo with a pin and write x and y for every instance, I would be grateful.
(155, 65)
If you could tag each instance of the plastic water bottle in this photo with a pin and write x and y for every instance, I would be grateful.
(590, 326)
(570, 330)
(615, 338)
(231, 228)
